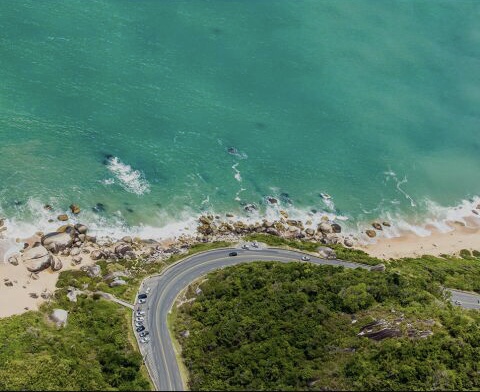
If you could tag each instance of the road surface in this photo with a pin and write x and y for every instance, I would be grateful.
(465, 299)
(159, 353)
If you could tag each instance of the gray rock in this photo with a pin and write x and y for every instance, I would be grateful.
(115, 275)
(348, 242)
(272, 231)
(326, 253)
(56, 264)
(37, 259)
(93, 271)
(14, 259)
(117, 282)
(325, 227)
(82, 229)
(59, 317)
(90, 238)
(127, 239)
(56, 242)
(8, 283)
(378, 267)
(96, 254)
(121, 249)
(371, 233)
(82, 237)
(72, 294)
(33, 295)
(74, 252)
(336, 228)
(77, 259)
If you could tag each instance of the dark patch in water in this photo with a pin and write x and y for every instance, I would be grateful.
(216, 30)
(285, 198)
(99, 207)
(129, 209)
(260, 125)
(17, 203)
(159, 205)
(107, 158)
(232, 150)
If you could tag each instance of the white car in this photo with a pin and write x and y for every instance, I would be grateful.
(255, 244)
(305, 258)
(138, 323)
(139, 318)
(140, 313)
(142, 300)
(148, 290)
(245, 247)
(146, 339)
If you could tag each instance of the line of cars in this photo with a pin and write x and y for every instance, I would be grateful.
(254, 244)
(140, 318)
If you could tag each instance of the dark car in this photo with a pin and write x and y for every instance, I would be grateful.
(144, 333)
(140, 328)
(142, 296)
(233, 254)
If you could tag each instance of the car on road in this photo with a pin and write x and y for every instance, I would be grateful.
(255, 244)
(138, 323)
(142, 300)
(233, 254)
(245, 246)
(305, 258)
(139, 318)
(146, 339)
(140, 328)
(144, 333)
(457, 302)
(140, 313)
(142, 296)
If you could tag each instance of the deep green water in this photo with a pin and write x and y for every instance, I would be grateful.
(315, 95)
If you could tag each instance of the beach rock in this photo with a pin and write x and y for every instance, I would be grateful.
(37, 259)
(386, 224)
(56, 264)
(377, 226)
(2, 222)
(72, 293)
(93, 271)
(8, 283)
(117, 282)
(310, 232)
(77, 259)
(284, 214)
(336, 228)
(127, 239)
(74, 252)
(81, 229)
(59, 317)
(325, 227)
(272, 200)
(348, 242)
(56, 242)
(272, 231)
(66, 229)
(48, 207)
(33, 295)
(115, 275)
(62, 217)
(34, 276)
(46, 294)
(326, 253)
(250, 207)
(14, 259)
(475, 212)
(370, 233)
(228, 215)
(75, 209)
(91, 239)
(378, 267)
(82, 237)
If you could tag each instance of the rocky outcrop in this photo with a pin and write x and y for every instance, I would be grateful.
(56, 264)
(348, 242)
(59, 317)
(117, 282)
(75, 209)
(378, 267)
(122, 249)
(325, 252)
(336, 228)
(377, 226)
(14, 259)
(93, 271)
(62, 217)
(371, 233)
(56, 241)
(325, 228)
(37, 259)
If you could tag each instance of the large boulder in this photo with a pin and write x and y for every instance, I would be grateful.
(56, 264)
(75, 209)
(325, 227)
(62, 217)
(326, 253)
(56, 241)
(370, 233)
(336, 228)
(37, 259)
(117, 282)
(122, 249)
(93, 271)
(82, 229)
(14, 259)
(59, 317)
(377, 226)
(378, 267)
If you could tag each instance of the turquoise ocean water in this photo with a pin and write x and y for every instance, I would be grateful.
(128, 108)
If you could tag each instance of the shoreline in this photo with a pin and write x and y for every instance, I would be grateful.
(17, 283)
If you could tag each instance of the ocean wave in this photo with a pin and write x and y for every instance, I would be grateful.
(398, 184)
(237, 175)
(131, 180)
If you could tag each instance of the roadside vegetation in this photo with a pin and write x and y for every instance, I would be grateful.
(274, 326)
(92, 352)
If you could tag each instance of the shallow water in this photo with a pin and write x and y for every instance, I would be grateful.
(135, 106)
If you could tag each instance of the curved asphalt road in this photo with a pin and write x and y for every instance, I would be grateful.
(159, 353)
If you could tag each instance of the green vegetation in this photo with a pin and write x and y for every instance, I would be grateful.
(289, 326)
(342, 252)
(91, 353)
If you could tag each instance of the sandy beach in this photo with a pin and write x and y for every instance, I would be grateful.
(437, 243)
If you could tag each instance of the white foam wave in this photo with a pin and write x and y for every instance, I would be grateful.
(130, 179)
(237, 175)
(398, 184)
